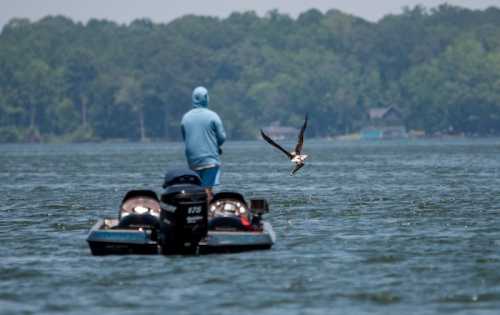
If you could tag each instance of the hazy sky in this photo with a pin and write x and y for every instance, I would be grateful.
(166, 10)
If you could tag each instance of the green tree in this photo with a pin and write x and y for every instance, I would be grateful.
(131, 94)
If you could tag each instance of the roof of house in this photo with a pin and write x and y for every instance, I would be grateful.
(280, 129)
(380, 112)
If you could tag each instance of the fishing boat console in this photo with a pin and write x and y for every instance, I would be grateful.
(182, 222)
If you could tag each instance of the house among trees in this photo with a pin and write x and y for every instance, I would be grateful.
(384, 123)
(278, 132)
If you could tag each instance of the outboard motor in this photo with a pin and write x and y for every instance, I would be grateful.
(183, 218)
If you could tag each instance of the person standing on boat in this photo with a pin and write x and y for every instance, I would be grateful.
(203, 135)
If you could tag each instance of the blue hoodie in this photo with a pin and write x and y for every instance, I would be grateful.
(203, 132)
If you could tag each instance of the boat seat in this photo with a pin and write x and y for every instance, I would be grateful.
(135, 220)
(145, 202)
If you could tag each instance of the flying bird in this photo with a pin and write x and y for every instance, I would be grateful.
(294, 156)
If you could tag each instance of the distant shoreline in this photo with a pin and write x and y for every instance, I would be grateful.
(328, 139)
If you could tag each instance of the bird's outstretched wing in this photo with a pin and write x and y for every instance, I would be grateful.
(300, 143)
(271, 142)
(297, 167)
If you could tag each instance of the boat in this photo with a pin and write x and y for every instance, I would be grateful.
(182, 222)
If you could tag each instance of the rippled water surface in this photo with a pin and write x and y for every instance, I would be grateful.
(388, 228)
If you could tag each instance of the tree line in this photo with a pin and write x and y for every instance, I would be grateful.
(71, 81)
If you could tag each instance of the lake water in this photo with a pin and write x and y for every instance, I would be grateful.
(406, 227)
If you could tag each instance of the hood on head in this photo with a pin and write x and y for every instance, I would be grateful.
(200, 97)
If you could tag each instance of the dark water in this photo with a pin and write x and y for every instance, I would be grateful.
(387, 228)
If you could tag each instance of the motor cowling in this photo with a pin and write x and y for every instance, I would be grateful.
(183, 217)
